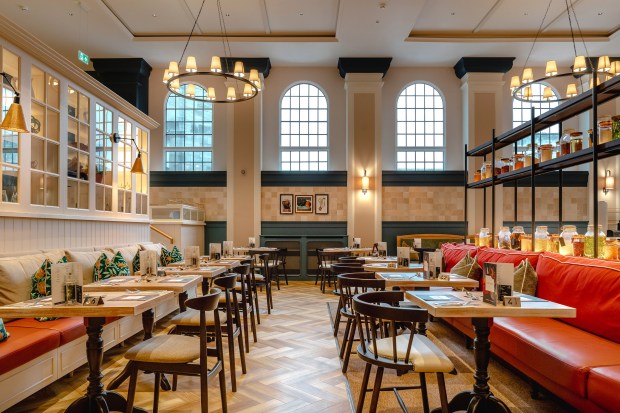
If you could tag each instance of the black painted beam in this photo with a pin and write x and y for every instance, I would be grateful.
(128, 77)
(193, 179)
(281, 178)
(482, 65)
(575, 179)
(423, 178)
(363, 65)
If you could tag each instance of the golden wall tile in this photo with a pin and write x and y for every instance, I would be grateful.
(421, 203)
(211, 199)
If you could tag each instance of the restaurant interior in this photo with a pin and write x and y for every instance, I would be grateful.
(293, 206)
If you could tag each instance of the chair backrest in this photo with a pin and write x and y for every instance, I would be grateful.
(377, 314)
(226, 281)
(345, 268)
(282, 254)
(207, 302)
(354, 283)
(264, 265)
(348, 259)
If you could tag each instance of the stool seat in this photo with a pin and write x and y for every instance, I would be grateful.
(191, 318)
(166, 349)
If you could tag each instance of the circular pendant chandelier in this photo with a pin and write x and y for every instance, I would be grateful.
(521, 87)
(230, 85)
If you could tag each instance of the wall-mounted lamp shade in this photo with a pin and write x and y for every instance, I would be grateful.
(528, 75)
(239, 70)
(173, 69)
(216, 64)
(137, 167)
(365, 183)
(14, 120)
(603, 64)
(551, 69)
(231, 95)
(190, 65)
(610, 182)
(580, 64)
(571, 90)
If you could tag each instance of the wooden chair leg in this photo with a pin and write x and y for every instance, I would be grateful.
(285, 275)
(376, 390)
(156, 392)
(246, 331)
(231, 353)
(424, 392)
(350, 340)
(338, 317)
(364, 387)
(345, 337)
(443, 396)
(131, 392)
(222, 378)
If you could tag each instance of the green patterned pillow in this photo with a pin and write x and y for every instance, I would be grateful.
(136, 262)
(3, 333)
(168, 257)
(121, 265)
(42, 279)
(103, 268)
(176, 254)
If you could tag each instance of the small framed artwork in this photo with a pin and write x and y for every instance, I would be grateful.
(304, 204)
(286, 203)
(321, 204)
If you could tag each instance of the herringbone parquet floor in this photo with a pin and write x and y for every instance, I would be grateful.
(293, 368)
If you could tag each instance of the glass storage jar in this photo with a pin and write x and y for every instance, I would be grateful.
(506, 165)
(565, 141)
(487, 169)
(578, 245)
(615, 127)
(518, 161)
(556, 149)
(566, 241)
(590, 137)
(503, 238)
(515, 237)
(589, 241)
(604, 129)
(484, 239)
(541, 239)
(610, 252)
(545, 152)
(477, 175)
(576, 141)
(554, 243)
(526, 242)
(497, 167)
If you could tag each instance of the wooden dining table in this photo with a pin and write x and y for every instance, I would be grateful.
(369, 259)
(206, 272)
(387, 267)
(408, 280)
(470, 304)
(349, 250)
(115, 304)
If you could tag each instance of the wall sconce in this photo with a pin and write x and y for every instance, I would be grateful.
(14, 120)
(137, 167)
(365, 183)
(610, 182)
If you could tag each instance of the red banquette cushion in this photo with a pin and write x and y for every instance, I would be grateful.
(453, 253)
(510, 256)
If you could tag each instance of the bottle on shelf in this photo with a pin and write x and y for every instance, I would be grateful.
(610, 252)
(566, 241)
(477, 175)
(506, 165)
(589, 241)
(503, 238)
(515, 237)
(576, 141)
(484, 239)
(541, 238)
(604, 128)
(578, 242)
(565, 141)
(545, 152)
(556, 149)
(518, 161)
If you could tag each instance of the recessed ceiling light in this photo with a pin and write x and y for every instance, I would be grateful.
(600, 13)
(23, 8)
(154, 15)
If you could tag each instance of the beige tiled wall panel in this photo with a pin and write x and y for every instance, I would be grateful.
(211, 199)
(575, 204)
(421, 203)
(270, 203)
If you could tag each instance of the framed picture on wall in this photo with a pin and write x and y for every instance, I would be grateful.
(321, 204)
(304, 204)
(286, 203)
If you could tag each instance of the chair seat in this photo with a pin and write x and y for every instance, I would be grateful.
(192, 318)
(425, 356)
(166, 349)
(259, 277)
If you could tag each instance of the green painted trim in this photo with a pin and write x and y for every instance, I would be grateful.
(321, 228)
(391, 229)
(215, 232)
(183, 178)
(423, 178)
(281, 178)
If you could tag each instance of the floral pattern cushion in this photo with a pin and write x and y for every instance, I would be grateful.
(4, 334)
(42, 279)
(103, 268)
(119, 262)
(176, 254)
(136, 262)
(168, 257)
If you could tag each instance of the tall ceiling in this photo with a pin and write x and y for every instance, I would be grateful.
(318, 32)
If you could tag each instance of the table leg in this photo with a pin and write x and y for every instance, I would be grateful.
(182, 299)
(96, 399)
(480, 399)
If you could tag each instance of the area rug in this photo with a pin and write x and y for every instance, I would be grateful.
(505, 383)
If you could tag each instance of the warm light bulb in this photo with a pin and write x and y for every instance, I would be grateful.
(239, 70)
(551, 69)
(571, 90)
(211, 93)
(173, 69)
(515, 82)
(216, 64)
(191, 90)
(527, 93)
(547, 93)
(365, 183)
(528, 75)
(254, 76)
(190, 65)
(580, 64)
(175, 85)
(603, 64)
(166, 77)
(231, 95)
(247, 90)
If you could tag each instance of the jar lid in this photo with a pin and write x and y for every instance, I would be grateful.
(576, 134)
(484, 229)
(615, 118)
(546, 146)
(604, 117)
(517, 228)
(568, 130)
(505, 159)
(478, 170)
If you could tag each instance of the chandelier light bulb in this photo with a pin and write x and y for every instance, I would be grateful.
(231, 95)
(211, 93)
(547, 93)
(191, 90)
(173, 69)
(603, 64)
(247, 90)
(580, 64)
(515, 82)
(614, 68)
(190, 65)
(527, 93)
(166, 77)
(216, 64)
(528, 75)
(551, 69)
(239, 70)
(175, 85)
(571, 90)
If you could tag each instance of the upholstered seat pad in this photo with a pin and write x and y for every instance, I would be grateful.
(425, 356)
(259, 277)
(170, 348)
(191, 317)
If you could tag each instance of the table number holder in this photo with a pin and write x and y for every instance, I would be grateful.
(251, 242)
(498, 282)
(215, 251)
(432, 262)
(93, 300)
(382, 248)
(402, 254)
(357, 243)
(192, 256)
(227, 248)
(66, 276)
(148, 263)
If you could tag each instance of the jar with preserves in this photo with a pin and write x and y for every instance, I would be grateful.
(565, 141)
(477, 175)
(503, 238)
(556, 149)
(515, 237)
(589, 241)
(576, 141)
(554, 243)
(526, 242)
(527, 158)
(518, 161)
(566, 239)
(484, 239)
(541, 238)
(610, 252)
(578, 242)
(506, 165)
(497, 167)
(487, 169)
(545, 152)
(604, 129)
(615, 127)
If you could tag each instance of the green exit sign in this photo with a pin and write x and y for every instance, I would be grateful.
(83, 57)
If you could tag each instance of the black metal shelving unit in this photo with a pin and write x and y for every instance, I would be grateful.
(589, 100)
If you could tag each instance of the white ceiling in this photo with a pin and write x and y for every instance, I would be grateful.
(318, 32)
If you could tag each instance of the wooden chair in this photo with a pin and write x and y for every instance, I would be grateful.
(246, 288)
(380, 345)
(337, 269)
(264, 279)
(325, 261)
(175, 354)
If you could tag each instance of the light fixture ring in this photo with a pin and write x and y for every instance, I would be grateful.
(189, 75)
(517, 92)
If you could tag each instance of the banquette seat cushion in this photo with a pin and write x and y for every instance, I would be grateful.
(507, 256)
(453, 253)
(69, 328)
(604, 387)
(26, 344)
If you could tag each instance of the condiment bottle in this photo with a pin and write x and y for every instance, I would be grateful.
(566, 241)
(506, 165)
(484, 239)
(518, 162)
(503, 238)
(576, 142)
(477, 175)
(541, 238)
(565, 141)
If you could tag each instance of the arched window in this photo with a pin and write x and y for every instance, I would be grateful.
(188, 142)
(420, 128)
(303, 129)
(521, 113)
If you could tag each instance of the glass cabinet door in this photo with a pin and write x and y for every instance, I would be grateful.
(78, 145)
